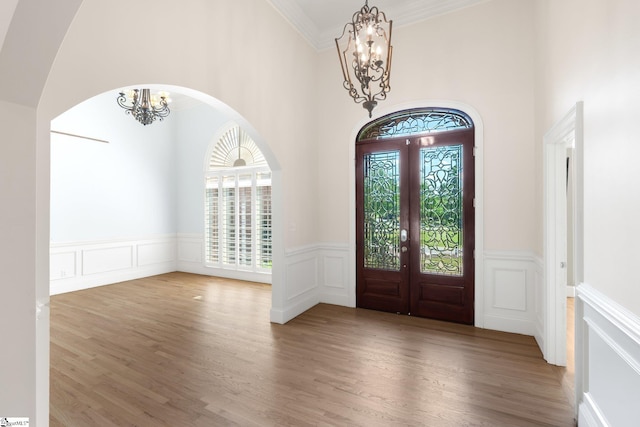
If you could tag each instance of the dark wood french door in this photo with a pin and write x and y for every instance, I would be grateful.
(415, 225)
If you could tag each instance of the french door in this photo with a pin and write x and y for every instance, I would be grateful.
(415, 225)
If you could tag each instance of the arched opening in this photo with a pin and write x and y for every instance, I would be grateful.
(401, 127)
(415, 224)
(127, 200)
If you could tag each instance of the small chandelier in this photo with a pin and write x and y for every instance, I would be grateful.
(145, 108)
(365, 56)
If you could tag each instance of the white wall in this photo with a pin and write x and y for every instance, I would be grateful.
(121, 189)
(31, 40)
(588, 51)
(17, 260)
(195, 129)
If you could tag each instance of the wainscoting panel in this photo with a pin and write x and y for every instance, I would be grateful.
(81, 265)
(156, 253)
(608, 355)
(190, 249)
(62, 265)
(301, 281)
(191, 260)
(107, 259)
(334, 274)
(511, 281)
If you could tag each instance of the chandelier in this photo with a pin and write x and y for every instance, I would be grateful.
(365, 51)
(144, 107)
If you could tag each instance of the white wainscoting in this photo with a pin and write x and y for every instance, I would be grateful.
(81, 265)
(191, 260)
(511, 303)
(334, 274)
(314, 274)
(302, 290)
(608, 357)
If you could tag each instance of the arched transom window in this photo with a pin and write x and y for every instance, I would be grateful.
(415, 122)
(237, 205)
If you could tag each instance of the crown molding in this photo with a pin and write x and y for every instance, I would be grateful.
(293, 14)
(402, 14)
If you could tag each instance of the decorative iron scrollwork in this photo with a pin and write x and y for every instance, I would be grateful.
(415, 122)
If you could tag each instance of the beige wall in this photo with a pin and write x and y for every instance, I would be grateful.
(588, 51)
(255, 63)
(481, 56)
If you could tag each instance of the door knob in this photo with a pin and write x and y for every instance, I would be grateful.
(404, 249)
(403, 235)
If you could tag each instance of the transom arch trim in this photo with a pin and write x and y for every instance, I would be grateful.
(415, 121)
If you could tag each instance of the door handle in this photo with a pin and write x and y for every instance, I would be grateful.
(403, 235)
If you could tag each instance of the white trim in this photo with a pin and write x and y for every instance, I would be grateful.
(82, 265)
(190, 259)
(590, 414)
(511, 280)
(623, 319)
(554, 291)
(407, 14)
(479, 320)
(314, 274)
(607, 360)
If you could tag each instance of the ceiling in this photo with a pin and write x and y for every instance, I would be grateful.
(322, 21)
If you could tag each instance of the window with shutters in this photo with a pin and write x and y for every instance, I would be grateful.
(238, 205)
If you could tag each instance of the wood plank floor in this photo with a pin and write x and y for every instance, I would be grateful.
(187, 350)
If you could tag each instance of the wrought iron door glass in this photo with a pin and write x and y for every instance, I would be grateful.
(441, 215)
(382, 210)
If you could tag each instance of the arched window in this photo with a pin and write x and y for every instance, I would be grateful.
(415, 122)
(238, 205)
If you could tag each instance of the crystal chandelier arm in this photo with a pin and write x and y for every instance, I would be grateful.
(142, 107)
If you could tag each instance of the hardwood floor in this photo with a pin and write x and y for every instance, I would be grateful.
(188, 350)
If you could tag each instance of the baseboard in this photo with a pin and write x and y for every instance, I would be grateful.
(79, 284)
(589, 414)
(509, 324)
(293, 310)
(81, 265)
(191, 260)
(198, 268)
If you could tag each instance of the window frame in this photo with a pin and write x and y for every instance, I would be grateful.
(256, 240)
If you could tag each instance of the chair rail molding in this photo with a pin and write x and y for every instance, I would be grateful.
(607, 360)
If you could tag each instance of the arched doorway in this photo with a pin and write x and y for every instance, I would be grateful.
(141, 191)
(415, 222)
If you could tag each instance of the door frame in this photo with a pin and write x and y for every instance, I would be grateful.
(569, 130)
(479, 195)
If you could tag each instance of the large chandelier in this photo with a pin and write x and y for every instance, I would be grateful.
(365, 54)
(144, 107)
